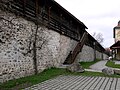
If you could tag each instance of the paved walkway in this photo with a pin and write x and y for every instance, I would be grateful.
(78, 83)
(117, 62)
(99, 65)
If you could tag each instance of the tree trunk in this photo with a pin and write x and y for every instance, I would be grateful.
(35, 51)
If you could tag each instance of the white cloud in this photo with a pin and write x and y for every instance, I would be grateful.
(98, 15)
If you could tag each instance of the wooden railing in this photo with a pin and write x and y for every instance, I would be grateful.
(73, 54)
(28, 9)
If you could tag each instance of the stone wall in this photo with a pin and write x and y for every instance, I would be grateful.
(54, 53)
(105, 57)
(13, 43)
(88, 55)
(98, 55)
(17, 38)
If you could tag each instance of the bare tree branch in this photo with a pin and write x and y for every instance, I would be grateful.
(98, 37)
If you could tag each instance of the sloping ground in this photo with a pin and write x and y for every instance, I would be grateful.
(78, 83)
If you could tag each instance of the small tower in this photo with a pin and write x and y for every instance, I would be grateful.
(116, 46)
(119, 23)
(116, 33)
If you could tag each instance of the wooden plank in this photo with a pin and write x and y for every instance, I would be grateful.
(19, 8)
(29, 8)
(63, 83)
(77, 83)
(57, 83)
(109, 84)
(104, 84)
(82, 83)
(71, 83)
(87, 83)
(94, 84)
(114, 82)
(100, 83)
(118, 84)
(91, 83)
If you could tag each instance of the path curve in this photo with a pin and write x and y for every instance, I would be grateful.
(99, 65)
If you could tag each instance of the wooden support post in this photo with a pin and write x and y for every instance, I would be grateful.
(94, 50)
(35, 40)
(115, 53)
(102, 55)
(60, 21)
(35, 51)
(112, 54)
(37, 7)
(24, 6)
(49, 10)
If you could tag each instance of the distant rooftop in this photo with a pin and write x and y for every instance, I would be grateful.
(119, 23)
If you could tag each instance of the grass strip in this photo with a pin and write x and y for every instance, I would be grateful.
(31, 80)
(87, 65)
(112, 64)
(24, 82)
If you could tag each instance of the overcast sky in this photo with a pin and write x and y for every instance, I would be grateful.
(100, 16)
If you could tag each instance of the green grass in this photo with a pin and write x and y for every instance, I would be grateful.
(88, 73)
(112, 64)
(34, 79)
(18, 84)
(86, 65)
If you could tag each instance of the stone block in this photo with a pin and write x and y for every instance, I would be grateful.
(108, 71)
(75, 67)
(117, 71)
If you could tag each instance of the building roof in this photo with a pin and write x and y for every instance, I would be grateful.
(119, 23)
(115, 45)
(118, 26)
(68, 13)
(55, 6)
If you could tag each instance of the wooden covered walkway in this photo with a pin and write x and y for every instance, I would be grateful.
(78, 83)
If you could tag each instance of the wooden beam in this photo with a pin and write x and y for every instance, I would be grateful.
(49, 11)
(36, 7)
(24, 5)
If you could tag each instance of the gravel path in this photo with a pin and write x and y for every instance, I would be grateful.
(99, 65)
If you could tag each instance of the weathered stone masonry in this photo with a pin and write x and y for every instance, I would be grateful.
(17, 35)
(87, 54)
(15, 41)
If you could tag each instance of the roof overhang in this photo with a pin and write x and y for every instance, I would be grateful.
(115, 45)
